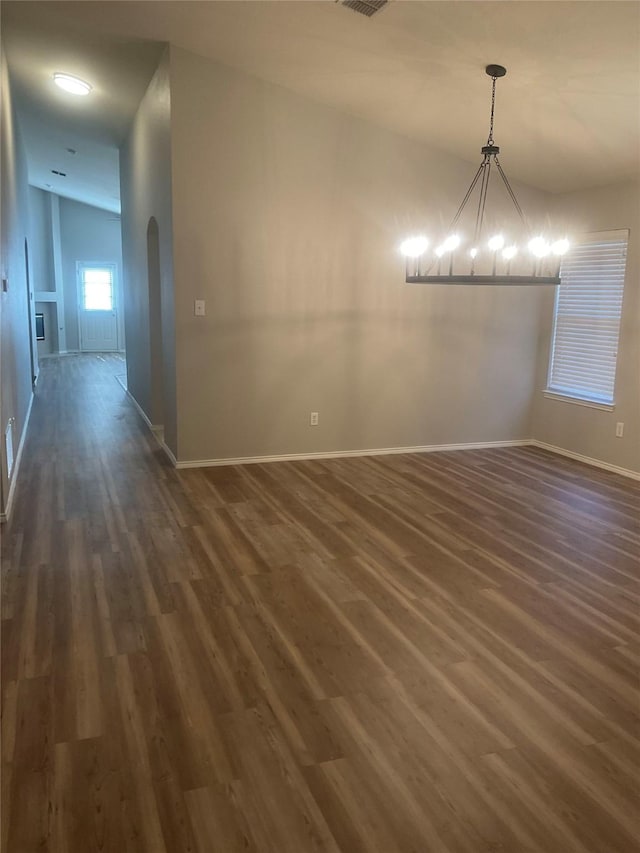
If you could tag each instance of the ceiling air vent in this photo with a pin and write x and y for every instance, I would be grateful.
(364, 7)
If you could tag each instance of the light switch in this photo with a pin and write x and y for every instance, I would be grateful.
(198, 308)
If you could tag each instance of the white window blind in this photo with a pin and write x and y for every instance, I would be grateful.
(588, 307)
(97, 288)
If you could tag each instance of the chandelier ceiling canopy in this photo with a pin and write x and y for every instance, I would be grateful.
(497, 259)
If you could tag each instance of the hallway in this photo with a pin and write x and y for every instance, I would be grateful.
(398, 654)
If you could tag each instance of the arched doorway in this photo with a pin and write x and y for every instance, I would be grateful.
(155, 324)
(33, 346)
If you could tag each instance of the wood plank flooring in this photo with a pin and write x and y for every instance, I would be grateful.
(432, 653)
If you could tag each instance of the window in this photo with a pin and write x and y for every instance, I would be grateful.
(97, 288)
(588, 307)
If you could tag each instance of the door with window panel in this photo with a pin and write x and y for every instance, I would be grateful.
(97, 310)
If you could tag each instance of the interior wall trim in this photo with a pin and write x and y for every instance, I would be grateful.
(168, 451)
(5, 514)
(339, 454)
(380, 451)
(588, 460)
(141, 411)
(157, 431)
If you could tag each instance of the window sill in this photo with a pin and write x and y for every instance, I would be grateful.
(590, 404)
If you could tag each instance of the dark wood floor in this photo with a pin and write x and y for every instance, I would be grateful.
(429, 653)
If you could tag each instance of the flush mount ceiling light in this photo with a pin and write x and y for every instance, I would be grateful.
(71, 84)
(483, 260)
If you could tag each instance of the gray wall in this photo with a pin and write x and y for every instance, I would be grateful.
(40, 254)
(591, 432)
(15, 361)
(42, 266)
(145, 189)
(88, 234)
(287, 217)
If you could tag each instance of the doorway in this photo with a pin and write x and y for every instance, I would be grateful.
(155, 324)
(97, 307)
(33, 346)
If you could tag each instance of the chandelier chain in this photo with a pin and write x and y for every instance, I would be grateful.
(493, 106)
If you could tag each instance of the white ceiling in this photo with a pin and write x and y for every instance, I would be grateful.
(39, 39)
(568, 112)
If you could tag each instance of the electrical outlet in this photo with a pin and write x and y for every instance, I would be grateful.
(313, 420)
(619, 430)
(198, 307)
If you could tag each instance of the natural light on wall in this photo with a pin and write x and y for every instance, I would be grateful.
(588, 308)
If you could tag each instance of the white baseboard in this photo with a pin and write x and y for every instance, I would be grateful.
(156, 430)
(58, 353)
(5, 515)
(339, 454)
(169, 454)
(382, 451)
(379, 451)
(588, 460)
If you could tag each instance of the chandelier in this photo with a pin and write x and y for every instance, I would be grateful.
(497, 260)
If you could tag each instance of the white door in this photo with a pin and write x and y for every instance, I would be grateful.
(97, 309)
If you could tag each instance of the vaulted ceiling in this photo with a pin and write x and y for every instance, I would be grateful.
(568, 113)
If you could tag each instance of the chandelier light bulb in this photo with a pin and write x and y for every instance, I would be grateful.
(496, 243)
(560, 247)
(452, 242)
(71, 84)
(473, 252)
(413, 247)
(440, 251)
(539, 247)
(510, 252)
